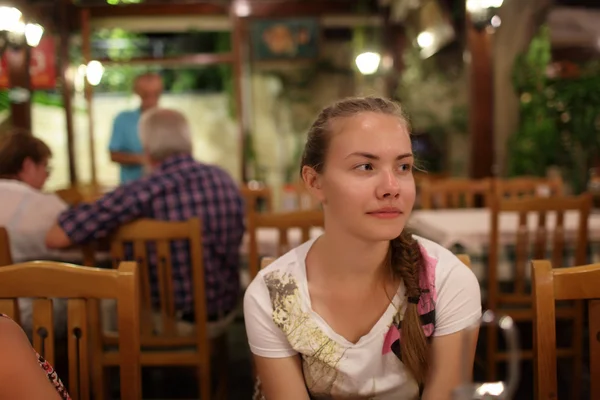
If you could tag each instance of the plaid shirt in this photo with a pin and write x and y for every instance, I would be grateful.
(179, 189)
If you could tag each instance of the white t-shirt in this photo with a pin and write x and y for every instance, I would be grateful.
(281, 323)
(27, 214)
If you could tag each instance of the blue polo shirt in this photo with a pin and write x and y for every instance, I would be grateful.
(125, 139)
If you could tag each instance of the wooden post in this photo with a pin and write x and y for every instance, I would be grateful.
(394, 43)
(67, 88)
(238, 76)
(481, 101)
(87, 56)
(20, 83)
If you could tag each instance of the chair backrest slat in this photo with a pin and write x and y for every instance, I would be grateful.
(77, 337)
(10, 307)
(44, 280)
(5, 253)
(283, 223)
(165, 270)
(43, 328)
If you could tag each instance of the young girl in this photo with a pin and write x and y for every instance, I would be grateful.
(365, 311)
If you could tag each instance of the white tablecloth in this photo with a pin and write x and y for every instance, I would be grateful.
(471, 228)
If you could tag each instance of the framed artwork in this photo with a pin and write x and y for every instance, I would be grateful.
(284, 39)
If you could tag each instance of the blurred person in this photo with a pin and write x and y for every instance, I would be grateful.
(177, 189)
(27, 213)
(24, 373)
(125, 146)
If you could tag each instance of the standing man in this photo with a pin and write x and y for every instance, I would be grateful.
(125, 146)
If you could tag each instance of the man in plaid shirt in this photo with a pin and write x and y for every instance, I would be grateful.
(177, 189)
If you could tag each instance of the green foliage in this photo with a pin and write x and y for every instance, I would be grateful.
(559, 117)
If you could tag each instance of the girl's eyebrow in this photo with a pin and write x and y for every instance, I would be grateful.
(375, 157)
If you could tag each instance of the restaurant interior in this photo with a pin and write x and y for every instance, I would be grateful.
(503, 99)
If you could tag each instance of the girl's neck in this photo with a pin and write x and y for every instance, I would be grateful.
(341, 257)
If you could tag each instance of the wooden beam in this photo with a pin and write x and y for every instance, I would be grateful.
(158, 9)
(18, 60)
(188, 59)
(481, 102)
(86, 50)
(296, 8)
(67, 88)
(239, 52)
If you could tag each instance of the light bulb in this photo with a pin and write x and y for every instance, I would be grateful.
(94, 72)
(368, 62)
(33, 34)
(425, 39)
(10, 18)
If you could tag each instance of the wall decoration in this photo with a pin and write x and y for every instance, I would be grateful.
(285, 39)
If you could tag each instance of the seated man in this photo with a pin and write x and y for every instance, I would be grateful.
(26, 212)
(177, 189)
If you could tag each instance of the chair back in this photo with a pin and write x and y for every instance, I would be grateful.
(465, 259)
(555, 284)
(454, 193)
(540, 231)
(283, 223)
(159, 236)
(252, 195)
(5, 253)
(44, 280)
(528, 186)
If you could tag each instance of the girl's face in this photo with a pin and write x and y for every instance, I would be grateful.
(367, 186)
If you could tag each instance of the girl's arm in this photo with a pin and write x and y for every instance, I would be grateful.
(452, 358)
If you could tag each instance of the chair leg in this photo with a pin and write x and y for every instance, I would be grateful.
(204, 381)
(99, 379)
(223, 360)
(492, 345)
(577, 346)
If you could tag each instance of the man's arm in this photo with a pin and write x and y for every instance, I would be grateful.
(57, 238)
(127, 158)
(87, 222)
(118, 146)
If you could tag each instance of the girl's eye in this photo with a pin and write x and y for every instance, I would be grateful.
(405, 167)
(364, 167)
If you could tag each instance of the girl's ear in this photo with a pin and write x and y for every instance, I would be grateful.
(313, 182)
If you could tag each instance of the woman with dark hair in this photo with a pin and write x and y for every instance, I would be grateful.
(366, 310)
(27, 213)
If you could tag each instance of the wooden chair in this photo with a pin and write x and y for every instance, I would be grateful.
(253, 194)
(72, 195)
(517, 302)
(283, 222)
(165, 339)
(465, 259)
(44, 280)
(5, 253)
(528, 186)
(551, 285)
(454, 193)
